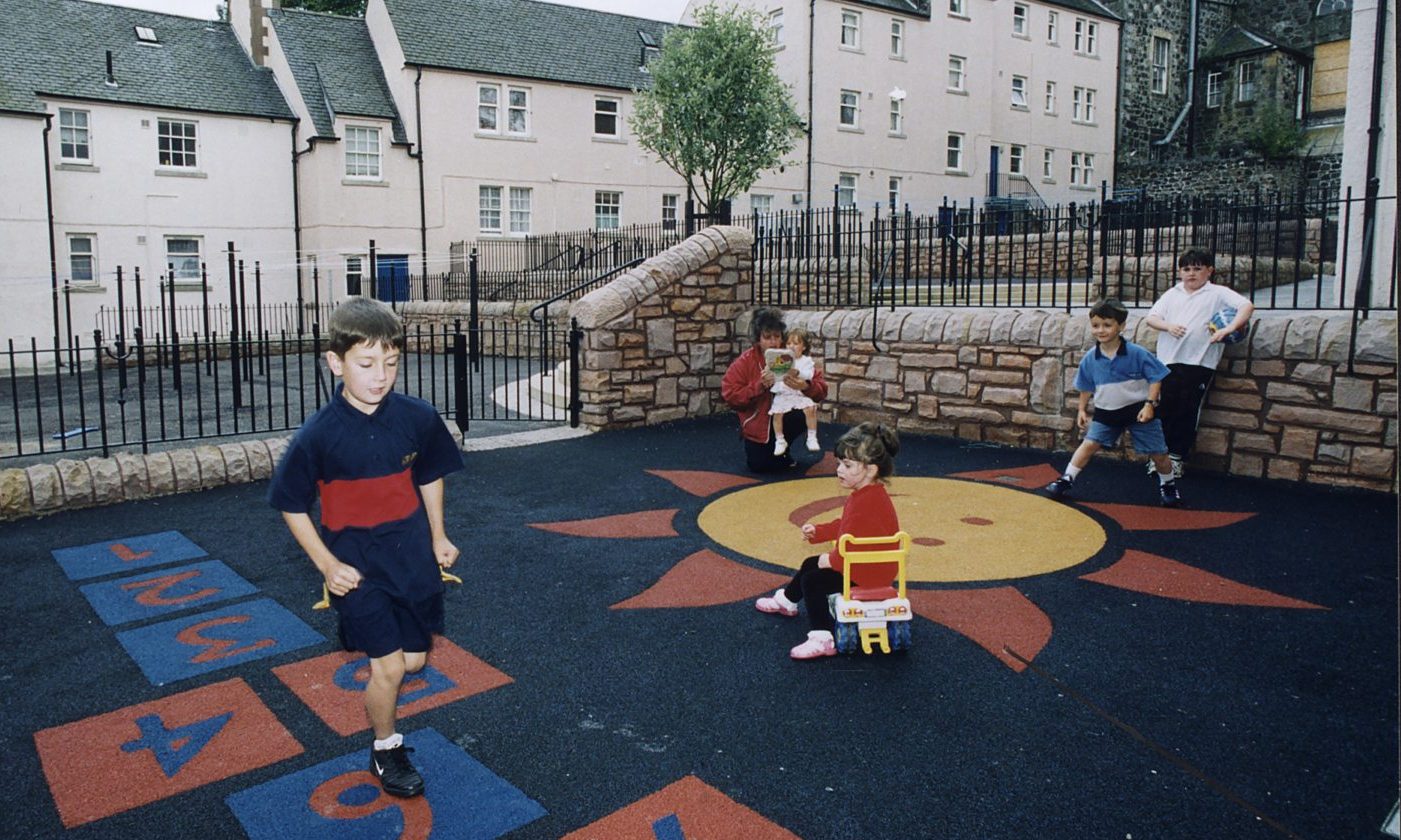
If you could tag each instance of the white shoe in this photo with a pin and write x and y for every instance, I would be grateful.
(777, 604)
(813, 445)
(1177, 466)
(819, 644)
(780, 446)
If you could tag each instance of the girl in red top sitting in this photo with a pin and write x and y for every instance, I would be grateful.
(866, 460)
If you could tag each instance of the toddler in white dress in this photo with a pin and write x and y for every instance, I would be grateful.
(786, 399)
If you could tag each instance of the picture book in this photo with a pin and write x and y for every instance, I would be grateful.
(778, 361)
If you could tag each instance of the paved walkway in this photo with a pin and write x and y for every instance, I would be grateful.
(1097, 668)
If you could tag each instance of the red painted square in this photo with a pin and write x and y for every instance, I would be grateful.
(333, 685)
(685, 808)
(113, 762)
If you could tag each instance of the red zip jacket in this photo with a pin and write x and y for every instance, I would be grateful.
(743, 389)
(868, 513)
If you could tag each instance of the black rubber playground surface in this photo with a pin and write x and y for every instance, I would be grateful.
(1098, 668)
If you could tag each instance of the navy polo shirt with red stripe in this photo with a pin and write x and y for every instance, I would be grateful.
(366, 470)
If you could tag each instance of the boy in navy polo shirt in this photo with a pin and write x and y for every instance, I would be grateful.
(1124, 380)
(377, 459)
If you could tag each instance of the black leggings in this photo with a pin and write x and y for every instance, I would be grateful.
(759, 456)
(812, 585)
(1184, 391)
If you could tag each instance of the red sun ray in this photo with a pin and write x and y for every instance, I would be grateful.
(639, 525)
(1038, 475)
(827, 466)
(1139, 571)
(702, 482)
(1145, 518)
(704, 579)
(993, 618)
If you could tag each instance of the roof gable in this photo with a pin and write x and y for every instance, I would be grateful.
(525, 39)
(335, 67)
(59, 48)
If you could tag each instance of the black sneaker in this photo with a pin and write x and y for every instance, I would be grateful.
(1168, 492)
(395, 772)
(1060, 487)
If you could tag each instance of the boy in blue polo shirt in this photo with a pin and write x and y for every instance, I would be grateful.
(1124, 380)
(377, 459)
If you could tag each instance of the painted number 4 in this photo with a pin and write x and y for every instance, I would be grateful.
(173, 748)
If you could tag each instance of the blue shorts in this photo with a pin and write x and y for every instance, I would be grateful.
(378, 624)
(1147, 437)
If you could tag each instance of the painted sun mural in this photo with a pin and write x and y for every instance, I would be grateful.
(976, 536)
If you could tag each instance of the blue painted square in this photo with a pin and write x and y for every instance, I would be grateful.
(340, 800)
(197, 644)
(125, 554)
(198, 585)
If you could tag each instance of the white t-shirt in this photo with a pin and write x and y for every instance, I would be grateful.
(1193, 310)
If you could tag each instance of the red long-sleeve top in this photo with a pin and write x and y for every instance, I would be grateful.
(868, 512)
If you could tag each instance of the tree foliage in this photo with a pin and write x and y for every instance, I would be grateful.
(717, 113)
(350, 8)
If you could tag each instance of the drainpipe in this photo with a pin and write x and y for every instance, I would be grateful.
(297, 224)
(812, 35)
(49, 201)
(1373, 183)
(422, 199)
(1191, 89)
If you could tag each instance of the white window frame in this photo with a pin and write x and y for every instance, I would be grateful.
(488, 108)
(894, 189)
(520, 200)
(1086, 36)
(186, 269)
(74, 136)
(958, 73)
(1048, 165)
(850, 107)
(82, 256)
(607, 209)
(354, 270)
(1213, 89)
(1082, 169)
(954, 152)
(897, 115)
(177, 150)
(522, 109)
(1016, 160)
(775, 28)
(489, 208)
(760, 203)
(897, 38)
(850, 37)
(1245, 88)
(1053, 27)
(1082, 105)
(1021, 20)
(958, 8)
(616, 115)
(1019, 92)
(363, 153)
(847, 183)
(671, 211)
(1160, 60)
(1050, 102)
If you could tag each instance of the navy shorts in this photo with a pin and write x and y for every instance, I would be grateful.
(375, 622)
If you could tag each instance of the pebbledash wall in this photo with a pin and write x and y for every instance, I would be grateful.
(657, 341)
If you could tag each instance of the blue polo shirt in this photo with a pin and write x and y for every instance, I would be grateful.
(1119, 383)
(366, 470)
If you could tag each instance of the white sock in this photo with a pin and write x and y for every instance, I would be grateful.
(783, 600)
(1071, 471)
(389, 743)
(824, 635)
(1164, 478)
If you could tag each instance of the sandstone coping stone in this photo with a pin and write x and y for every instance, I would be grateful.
(160, 467)
(45, 487)
(1000, 330)
(107, 486)
(1026, 328)
(1301, 338)
(1376, 339)
(76, 481)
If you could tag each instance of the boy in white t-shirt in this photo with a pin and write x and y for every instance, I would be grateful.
(1189, 349)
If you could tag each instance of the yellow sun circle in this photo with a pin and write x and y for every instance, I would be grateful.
(963, 531)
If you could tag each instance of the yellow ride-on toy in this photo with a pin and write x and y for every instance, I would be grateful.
(873, 616)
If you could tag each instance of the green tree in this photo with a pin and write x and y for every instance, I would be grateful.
(352, 8)
(1274, 134)
(716, 112)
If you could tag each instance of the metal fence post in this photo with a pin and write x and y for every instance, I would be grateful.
(576, 402)
(461, 398)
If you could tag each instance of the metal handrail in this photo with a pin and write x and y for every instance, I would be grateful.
(545, 305)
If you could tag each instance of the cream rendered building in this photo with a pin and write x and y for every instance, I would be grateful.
(912, 103)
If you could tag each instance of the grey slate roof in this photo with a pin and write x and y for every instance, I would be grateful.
(913, 8)
(1239, 41)
(525, 39)
(333, 61)
(58, 48)
(1089, 7)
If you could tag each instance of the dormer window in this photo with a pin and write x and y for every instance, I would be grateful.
(146, 35)
(650, 48)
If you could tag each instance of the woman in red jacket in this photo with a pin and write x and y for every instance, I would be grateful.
(746, 389)
(866, 460)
